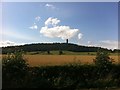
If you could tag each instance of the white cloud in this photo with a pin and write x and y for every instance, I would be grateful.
(110, 44)
(89, 42)
(34, 26)
(80, 35)
(37, 18)
(9, 43)
(63, 32)
(52, 21)
(50, 6)
(6, 43)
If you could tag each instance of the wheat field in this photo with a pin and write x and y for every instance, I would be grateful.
(44, 60)
(41, 60)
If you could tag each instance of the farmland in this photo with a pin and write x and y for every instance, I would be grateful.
(43, 54)
(38, 60)
(43, 59)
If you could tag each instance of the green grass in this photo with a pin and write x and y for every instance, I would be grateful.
(64, 53)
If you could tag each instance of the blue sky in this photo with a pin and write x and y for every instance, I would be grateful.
(96, 22)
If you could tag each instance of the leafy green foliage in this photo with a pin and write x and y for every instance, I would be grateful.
(103, 64)
(14, 67)
(103, 59)
(17, 74)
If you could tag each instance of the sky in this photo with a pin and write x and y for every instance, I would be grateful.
(60, 0)
(82, 23)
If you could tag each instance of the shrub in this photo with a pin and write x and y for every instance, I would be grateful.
(14, 68)
(103, 59)
(103, 63)
(60, 52)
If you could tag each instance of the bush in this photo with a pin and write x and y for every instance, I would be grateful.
(17, 74)
(103, 63)
(103, 59)
(14, 68)
(60, 52)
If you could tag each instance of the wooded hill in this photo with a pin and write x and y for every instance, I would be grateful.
(53, 47)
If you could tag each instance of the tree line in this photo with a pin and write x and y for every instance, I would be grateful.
(53, 46)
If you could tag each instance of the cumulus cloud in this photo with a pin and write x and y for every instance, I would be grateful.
(63, 32)
(6, 43)
(37, 18)
(51, 21)
(80, 35)
(50, 6)
(34, 26)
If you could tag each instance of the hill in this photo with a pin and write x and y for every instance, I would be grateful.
(52, 47)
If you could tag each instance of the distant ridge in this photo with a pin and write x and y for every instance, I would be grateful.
(51, 47)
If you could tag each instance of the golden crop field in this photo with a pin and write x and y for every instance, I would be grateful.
(41, 60)
(44, 60)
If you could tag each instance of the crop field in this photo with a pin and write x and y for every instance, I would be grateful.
(43, 59)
